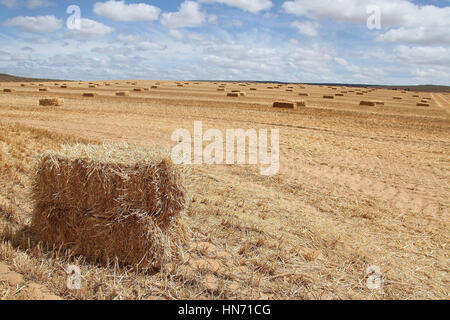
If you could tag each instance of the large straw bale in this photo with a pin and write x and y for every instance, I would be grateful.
(111, 201)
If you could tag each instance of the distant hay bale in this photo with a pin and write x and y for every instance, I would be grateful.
(359, 93)
(123, 93)
(137, 89)
(339, 94)
(23, 85)
(269, 87)
(422, 104)
(300, 103)
(233, 94)
(397, 98)
(92, 86)
(253, 89)
(109, 202)
(107, 84)
(234, 91)
(154, 87)
(43, 89)
(64, 86)
(51, 102)
(9, 90)
(242, 94)
(180, 85)
(89, 95)
(284, 105)
(328, 97)
(302, 94)
(367, 103)
(220, 89)
(378, 102)
(289, 90)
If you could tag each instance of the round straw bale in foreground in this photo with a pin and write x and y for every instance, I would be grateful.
(51, 102)
(110, 201)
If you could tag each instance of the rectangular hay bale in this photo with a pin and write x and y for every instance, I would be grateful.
(51, 102)
(110, 201)
(367, 103)
(284, 105)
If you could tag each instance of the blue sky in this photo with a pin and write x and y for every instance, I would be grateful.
(349, 41)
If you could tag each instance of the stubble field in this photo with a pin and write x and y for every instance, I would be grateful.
(358, 186)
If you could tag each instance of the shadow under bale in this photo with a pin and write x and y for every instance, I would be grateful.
(108, 202)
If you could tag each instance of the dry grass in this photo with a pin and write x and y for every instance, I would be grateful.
(357, 187)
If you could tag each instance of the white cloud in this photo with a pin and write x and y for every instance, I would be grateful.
(416, 24)
(9, 3)
(176, 34)
(120, 11)
(189, 15)
(90, 29)
(33, 4)
(39, 24)
(419, 35)
(148, 46)
(253, 6)
(423, 55)
(306, 28)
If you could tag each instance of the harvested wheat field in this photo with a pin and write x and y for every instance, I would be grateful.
(357, 187)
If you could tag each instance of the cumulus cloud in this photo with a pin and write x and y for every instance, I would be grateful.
(189, 15)
(39, 24)
(89, 29)
(120, 11)
(430, 21)
(253, 6)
